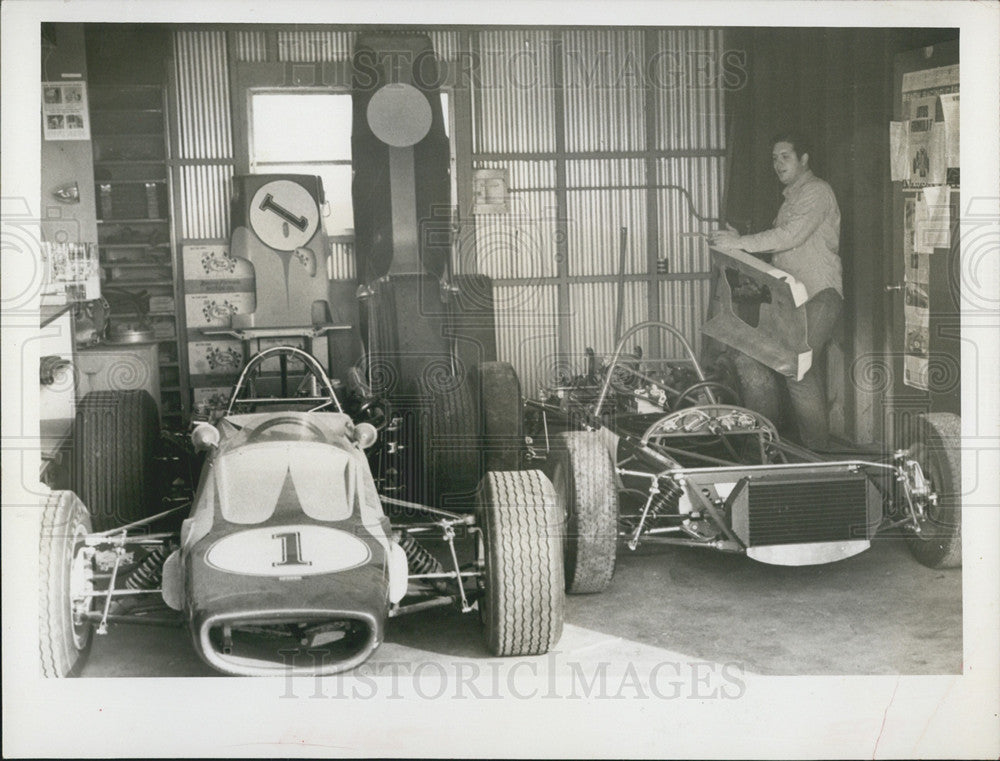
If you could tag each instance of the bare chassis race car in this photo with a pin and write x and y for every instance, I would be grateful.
(288, 562)
(637, 459)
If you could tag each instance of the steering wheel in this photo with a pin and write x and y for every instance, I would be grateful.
(728, 395)
(315, 432)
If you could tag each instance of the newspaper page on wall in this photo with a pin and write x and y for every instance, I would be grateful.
(925, 157)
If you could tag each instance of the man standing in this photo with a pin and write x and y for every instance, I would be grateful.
(805, 242)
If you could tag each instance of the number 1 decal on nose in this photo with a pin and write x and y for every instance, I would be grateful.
(291, 549)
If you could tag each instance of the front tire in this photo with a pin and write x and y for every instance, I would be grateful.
(584, 480)
(938, 450)
(63, 644)
(523, 600)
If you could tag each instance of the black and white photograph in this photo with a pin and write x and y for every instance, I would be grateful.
(554, 380)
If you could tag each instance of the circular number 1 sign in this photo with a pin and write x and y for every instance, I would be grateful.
(284, 215)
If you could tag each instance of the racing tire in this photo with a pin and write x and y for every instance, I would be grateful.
(523, 597)
(502, 423)
(473, 319)
(938, 450)
(381, 345)
(452, 441)
(63, 645)
(584, 481)
(115, 442)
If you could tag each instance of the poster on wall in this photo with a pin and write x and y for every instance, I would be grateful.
(916, 298)
(924, 145)
(925, 157)
(917, 320)
(64, 111)
(932, 220)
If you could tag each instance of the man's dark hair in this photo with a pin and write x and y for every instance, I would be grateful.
(799, 142)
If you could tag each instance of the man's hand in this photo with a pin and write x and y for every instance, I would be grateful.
(727, 238)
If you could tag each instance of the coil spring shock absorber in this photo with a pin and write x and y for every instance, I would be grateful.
(149, 573)
(666, 498)
(421, 561)
(664, 495)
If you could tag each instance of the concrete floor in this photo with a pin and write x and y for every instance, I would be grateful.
(876, 613)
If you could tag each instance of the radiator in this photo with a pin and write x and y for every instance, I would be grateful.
(789, 509)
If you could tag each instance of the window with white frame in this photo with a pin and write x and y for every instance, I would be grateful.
(306, 132)
(309, 132)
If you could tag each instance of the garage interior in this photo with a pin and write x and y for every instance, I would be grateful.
(587, 166)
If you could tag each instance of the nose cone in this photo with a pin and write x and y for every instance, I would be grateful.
(294, 598)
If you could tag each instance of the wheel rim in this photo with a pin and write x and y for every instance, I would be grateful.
(482, 581)
(80, 583)
(933, 514)
(561, 487)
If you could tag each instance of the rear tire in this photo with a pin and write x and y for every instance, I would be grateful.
(473, 319)
(502, 424)
(938, 450)
(523, 599)
(584, 481)
(452, 442)
(63, 645)
(115, 442)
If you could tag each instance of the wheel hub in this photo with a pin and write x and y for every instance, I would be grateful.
(81, 586)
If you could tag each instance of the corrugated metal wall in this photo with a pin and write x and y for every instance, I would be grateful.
(599, 129)
(527, 332)
(512, 98)
(626, 129)
(305, 45)
(687, 71)
(603, 72)
(604, 195)
(204, 150)
(251, 46)
(204, 193)
(521, 243)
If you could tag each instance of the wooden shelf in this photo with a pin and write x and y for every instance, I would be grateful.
(137, 283)
(133, 310)
(127, 162)
(116, 87)
(157, 180)
(134, 265)
(116, 135)
(130, 133)
(132, 221)
(133, 245)
(126, 110)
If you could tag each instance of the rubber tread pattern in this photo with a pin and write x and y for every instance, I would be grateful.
(591, 515)
(115, 441)
(473, 319)
(502, 420)
(453, 440)
(525, 597)
(62, 516)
